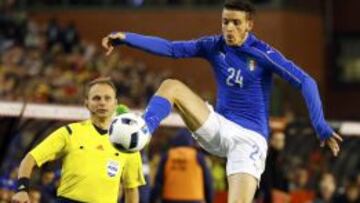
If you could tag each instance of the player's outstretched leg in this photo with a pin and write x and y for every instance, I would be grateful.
(195, 112)
(192, 108)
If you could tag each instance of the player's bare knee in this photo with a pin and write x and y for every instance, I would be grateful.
(171, 88)
(172, 83)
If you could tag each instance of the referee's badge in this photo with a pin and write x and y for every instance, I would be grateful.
(112, 168)
(251, 64)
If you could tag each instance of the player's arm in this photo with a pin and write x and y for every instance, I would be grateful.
(47, 150)
(132, 195)
(156, 45)
(287, 70)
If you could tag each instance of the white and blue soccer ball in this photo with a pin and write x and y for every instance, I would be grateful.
(129, 133)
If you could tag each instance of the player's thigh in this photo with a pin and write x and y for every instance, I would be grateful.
(242, 187)
(191, 107)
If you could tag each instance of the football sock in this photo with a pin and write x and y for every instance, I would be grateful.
(157, 109)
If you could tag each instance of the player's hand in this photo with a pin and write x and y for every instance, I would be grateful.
(20, 197)
(333, 143)
(107, 42)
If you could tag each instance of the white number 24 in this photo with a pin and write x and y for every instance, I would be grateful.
(234, 77)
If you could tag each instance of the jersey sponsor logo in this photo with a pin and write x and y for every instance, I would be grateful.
(112, 168)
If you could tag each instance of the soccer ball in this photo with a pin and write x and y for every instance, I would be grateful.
(129, 133)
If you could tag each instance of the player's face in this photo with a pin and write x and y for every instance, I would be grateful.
(235, 26)
(101, 101)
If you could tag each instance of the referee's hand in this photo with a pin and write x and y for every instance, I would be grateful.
(333, 143)
(20, 197)
(110, 41)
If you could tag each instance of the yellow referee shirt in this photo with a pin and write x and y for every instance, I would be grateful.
(92, 167)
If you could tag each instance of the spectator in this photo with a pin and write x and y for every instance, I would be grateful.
(54, 74)
(351, 193)
(172, 183)
(53, 33)
(218, 174)
(274, 174)
(47, 185)
(327, 189)
(301, 192)
(7, 188)
(70, 37)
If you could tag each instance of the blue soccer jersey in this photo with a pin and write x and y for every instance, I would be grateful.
(243, 77)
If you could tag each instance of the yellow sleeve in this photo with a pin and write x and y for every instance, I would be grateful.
(133, 175)
(51, 147)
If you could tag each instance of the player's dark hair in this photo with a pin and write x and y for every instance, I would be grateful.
(101, 80)
(240, 5)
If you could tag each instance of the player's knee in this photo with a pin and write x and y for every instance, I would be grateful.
(171, 86)
(172, 83)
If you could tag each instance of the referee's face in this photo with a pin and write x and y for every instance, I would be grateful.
(235, 26)
(101, 101)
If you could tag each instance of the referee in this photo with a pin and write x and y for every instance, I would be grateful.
(91, 169)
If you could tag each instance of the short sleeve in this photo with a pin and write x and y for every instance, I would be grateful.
(52, 147)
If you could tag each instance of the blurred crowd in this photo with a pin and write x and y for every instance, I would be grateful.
(291, 176)
(50, 64)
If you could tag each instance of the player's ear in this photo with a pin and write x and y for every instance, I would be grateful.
(250, 24)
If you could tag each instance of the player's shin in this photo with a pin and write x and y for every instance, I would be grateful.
(157, 109)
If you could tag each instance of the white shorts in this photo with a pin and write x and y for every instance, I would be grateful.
(244, 149)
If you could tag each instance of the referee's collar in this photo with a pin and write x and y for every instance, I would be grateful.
(100, 130)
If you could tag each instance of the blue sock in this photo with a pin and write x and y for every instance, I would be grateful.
(157, 109)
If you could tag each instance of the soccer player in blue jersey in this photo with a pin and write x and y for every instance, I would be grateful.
(243, 65)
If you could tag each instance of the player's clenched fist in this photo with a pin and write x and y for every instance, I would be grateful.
(111, 40)
(20, 197)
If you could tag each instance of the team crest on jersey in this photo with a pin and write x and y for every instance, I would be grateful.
(112, 168)
(251, 64)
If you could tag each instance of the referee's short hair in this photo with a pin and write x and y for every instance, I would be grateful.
(100, 80)
(240, 5)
